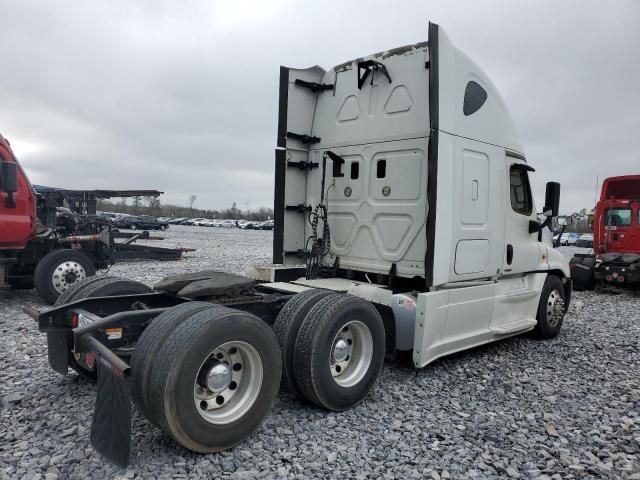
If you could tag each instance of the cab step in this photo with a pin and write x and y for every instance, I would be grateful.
(514, 327)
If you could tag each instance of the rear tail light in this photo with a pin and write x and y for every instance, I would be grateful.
(621, 278)
(609, 278)
(74, 320)
(90, 360)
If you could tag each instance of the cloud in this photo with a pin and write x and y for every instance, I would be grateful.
(182, 96)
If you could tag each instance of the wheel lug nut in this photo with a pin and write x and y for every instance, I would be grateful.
(237, 367)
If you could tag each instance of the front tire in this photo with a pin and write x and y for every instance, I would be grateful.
(215, 379)
(551, 309)
(339, 351)
(59, 270)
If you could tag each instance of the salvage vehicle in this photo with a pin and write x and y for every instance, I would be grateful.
(616, 237)
(585, 241)
(404, 222)
(51, 247)
(568, 239)
(138, 222)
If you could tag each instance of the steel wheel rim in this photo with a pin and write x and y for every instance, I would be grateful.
(348, 367)
(66, 274)
(228, 382)
(555, 308)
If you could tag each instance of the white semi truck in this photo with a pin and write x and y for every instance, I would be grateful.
(404, 222)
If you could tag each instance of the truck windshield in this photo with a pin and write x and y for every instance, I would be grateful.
(618, 217)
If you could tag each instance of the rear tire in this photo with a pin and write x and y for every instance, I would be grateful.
(286, 327)
(551, 309)
(152, 338)
(339, 351)
(72, 292)
(59, 270)
(239, 346)
(113, 287)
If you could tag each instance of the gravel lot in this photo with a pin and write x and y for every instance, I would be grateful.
(520, 408)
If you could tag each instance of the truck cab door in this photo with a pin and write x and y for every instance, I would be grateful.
(17, 216)
(522, 249)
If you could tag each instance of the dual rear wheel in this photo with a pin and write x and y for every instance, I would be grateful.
(332, 347)
(205, 374)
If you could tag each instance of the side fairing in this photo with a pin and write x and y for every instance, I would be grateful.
(295, 120)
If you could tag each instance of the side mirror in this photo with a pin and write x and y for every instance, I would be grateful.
(9, 178)
(552, 199)
(564, 221)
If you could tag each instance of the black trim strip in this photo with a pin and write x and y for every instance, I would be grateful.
(432, 162)
(434, 84)
(278, 206)
(519, 156)
(283, 107)
(432, 196)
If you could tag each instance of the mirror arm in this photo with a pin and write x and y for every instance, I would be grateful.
(556, 243)
(534, 226)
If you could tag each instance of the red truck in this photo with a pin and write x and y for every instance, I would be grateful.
(616, 237)
(40, 245)
(50, 247)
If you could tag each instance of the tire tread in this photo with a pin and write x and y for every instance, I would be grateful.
(287, 327)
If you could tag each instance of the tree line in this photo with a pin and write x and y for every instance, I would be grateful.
(152, 206)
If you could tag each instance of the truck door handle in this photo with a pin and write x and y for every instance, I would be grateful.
(509, 254)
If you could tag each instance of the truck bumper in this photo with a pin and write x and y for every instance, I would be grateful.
(617, 275)
(111, 424)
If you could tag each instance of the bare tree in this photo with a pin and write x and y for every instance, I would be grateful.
(154, 205)
(136, 203)
(192, 199)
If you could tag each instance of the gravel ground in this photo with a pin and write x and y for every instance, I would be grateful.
(520, 408)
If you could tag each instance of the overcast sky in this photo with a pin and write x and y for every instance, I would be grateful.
(183, 96)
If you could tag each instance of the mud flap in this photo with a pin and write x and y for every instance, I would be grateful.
(582, 276)
(111, 426)
(58, 347)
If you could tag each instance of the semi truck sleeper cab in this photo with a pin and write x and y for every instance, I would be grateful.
(404, 221)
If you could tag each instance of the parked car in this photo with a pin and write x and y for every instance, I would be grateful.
(268, 225)
(227, 224)
(585, 241)
(569, 238)
(253, 225)
(193, 221)
(177, 221)
(106, 215)
(139, 222)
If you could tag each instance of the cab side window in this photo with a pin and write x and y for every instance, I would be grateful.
(519, 190)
